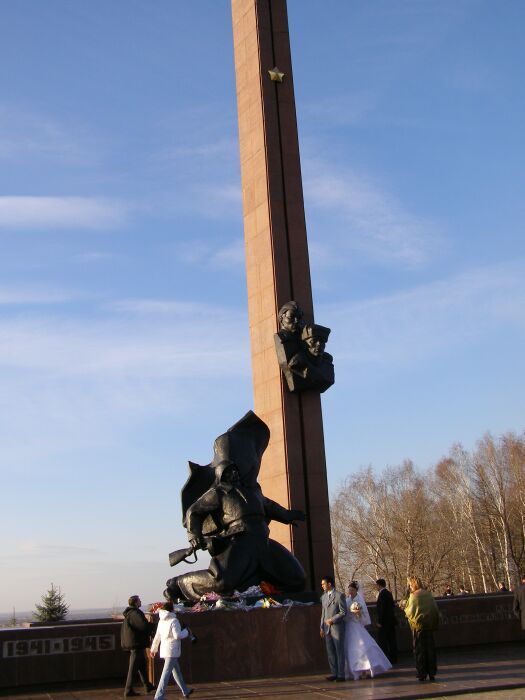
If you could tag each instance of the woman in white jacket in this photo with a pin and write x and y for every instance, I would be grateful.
(168, 635)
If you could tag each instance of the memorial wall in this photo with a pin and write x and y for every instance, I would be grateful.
(282, 641)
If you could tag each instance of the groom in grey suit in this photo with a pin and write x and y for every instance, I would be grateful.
(333, 613)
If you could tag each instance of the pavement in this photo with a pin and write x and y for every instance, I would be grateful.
(487, 672)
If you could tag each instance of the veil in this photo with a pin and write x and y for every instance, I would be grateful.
(365, 615)
(364, 618)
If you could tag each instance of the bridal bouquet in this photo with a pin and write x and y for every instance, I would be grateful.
(355, 608)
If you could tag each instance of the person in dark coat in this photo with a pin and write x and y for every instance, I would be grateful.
(519, 602)
(386, 621)
(135, 637)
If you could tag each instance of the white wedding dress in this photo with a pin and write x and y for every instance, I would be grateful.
(361, 651)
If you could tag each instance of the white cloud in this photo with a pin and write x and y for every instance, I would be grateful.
(205, 199)
(222, 148)
(232, 255)
(165, 307)
(340, 110)
(210, 254)
(60, 212)
(358, 215)
(72, 386)
(195, 252)
(430, 319)
(93, 257)
(17, 296)
(120, 348)
(27, 135)
(219, 201)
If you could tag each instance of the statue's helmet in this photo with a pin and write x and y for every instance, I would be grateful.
(312, 330)
(222, 468)
(242, 445)
(290, 306)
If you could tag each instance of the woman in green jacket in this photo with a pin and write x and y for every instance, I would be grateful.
(423, 617)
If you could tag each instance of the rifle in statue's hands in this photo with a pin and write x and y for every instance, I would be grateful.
(182, 554)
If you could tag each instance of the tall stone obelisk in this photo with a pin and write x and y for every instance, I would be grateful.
(294, 467)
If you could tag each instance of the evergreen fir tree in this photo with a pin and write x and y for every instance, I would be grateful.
(53, 608)
(13, 622)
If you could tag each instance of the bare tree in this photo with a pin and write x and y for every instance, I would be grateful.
(460, 523)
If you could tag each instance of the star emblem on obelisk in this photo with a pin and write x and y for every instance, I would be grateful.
(276, 75)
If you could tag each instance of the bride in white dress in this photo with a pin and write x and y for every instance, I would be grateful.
(364, 658)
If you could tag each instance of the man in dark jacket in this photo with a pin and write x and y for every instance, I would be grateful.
(135, 637)
(519, 602)
(386, 621)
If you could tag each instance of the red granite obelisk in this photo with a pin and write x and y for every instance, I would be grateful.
(294, 466)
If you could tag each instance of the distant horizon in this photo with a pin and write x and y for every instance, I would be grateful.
(9, 613)
(76, 610)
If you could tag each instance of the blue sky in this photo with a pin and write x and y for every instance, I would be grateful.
(123, 314)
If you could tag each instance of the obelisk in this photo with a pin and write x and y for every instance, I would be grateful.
(294, 466)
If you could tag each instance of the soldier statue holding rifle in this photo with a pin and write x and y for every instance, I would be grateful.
(225, 512)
